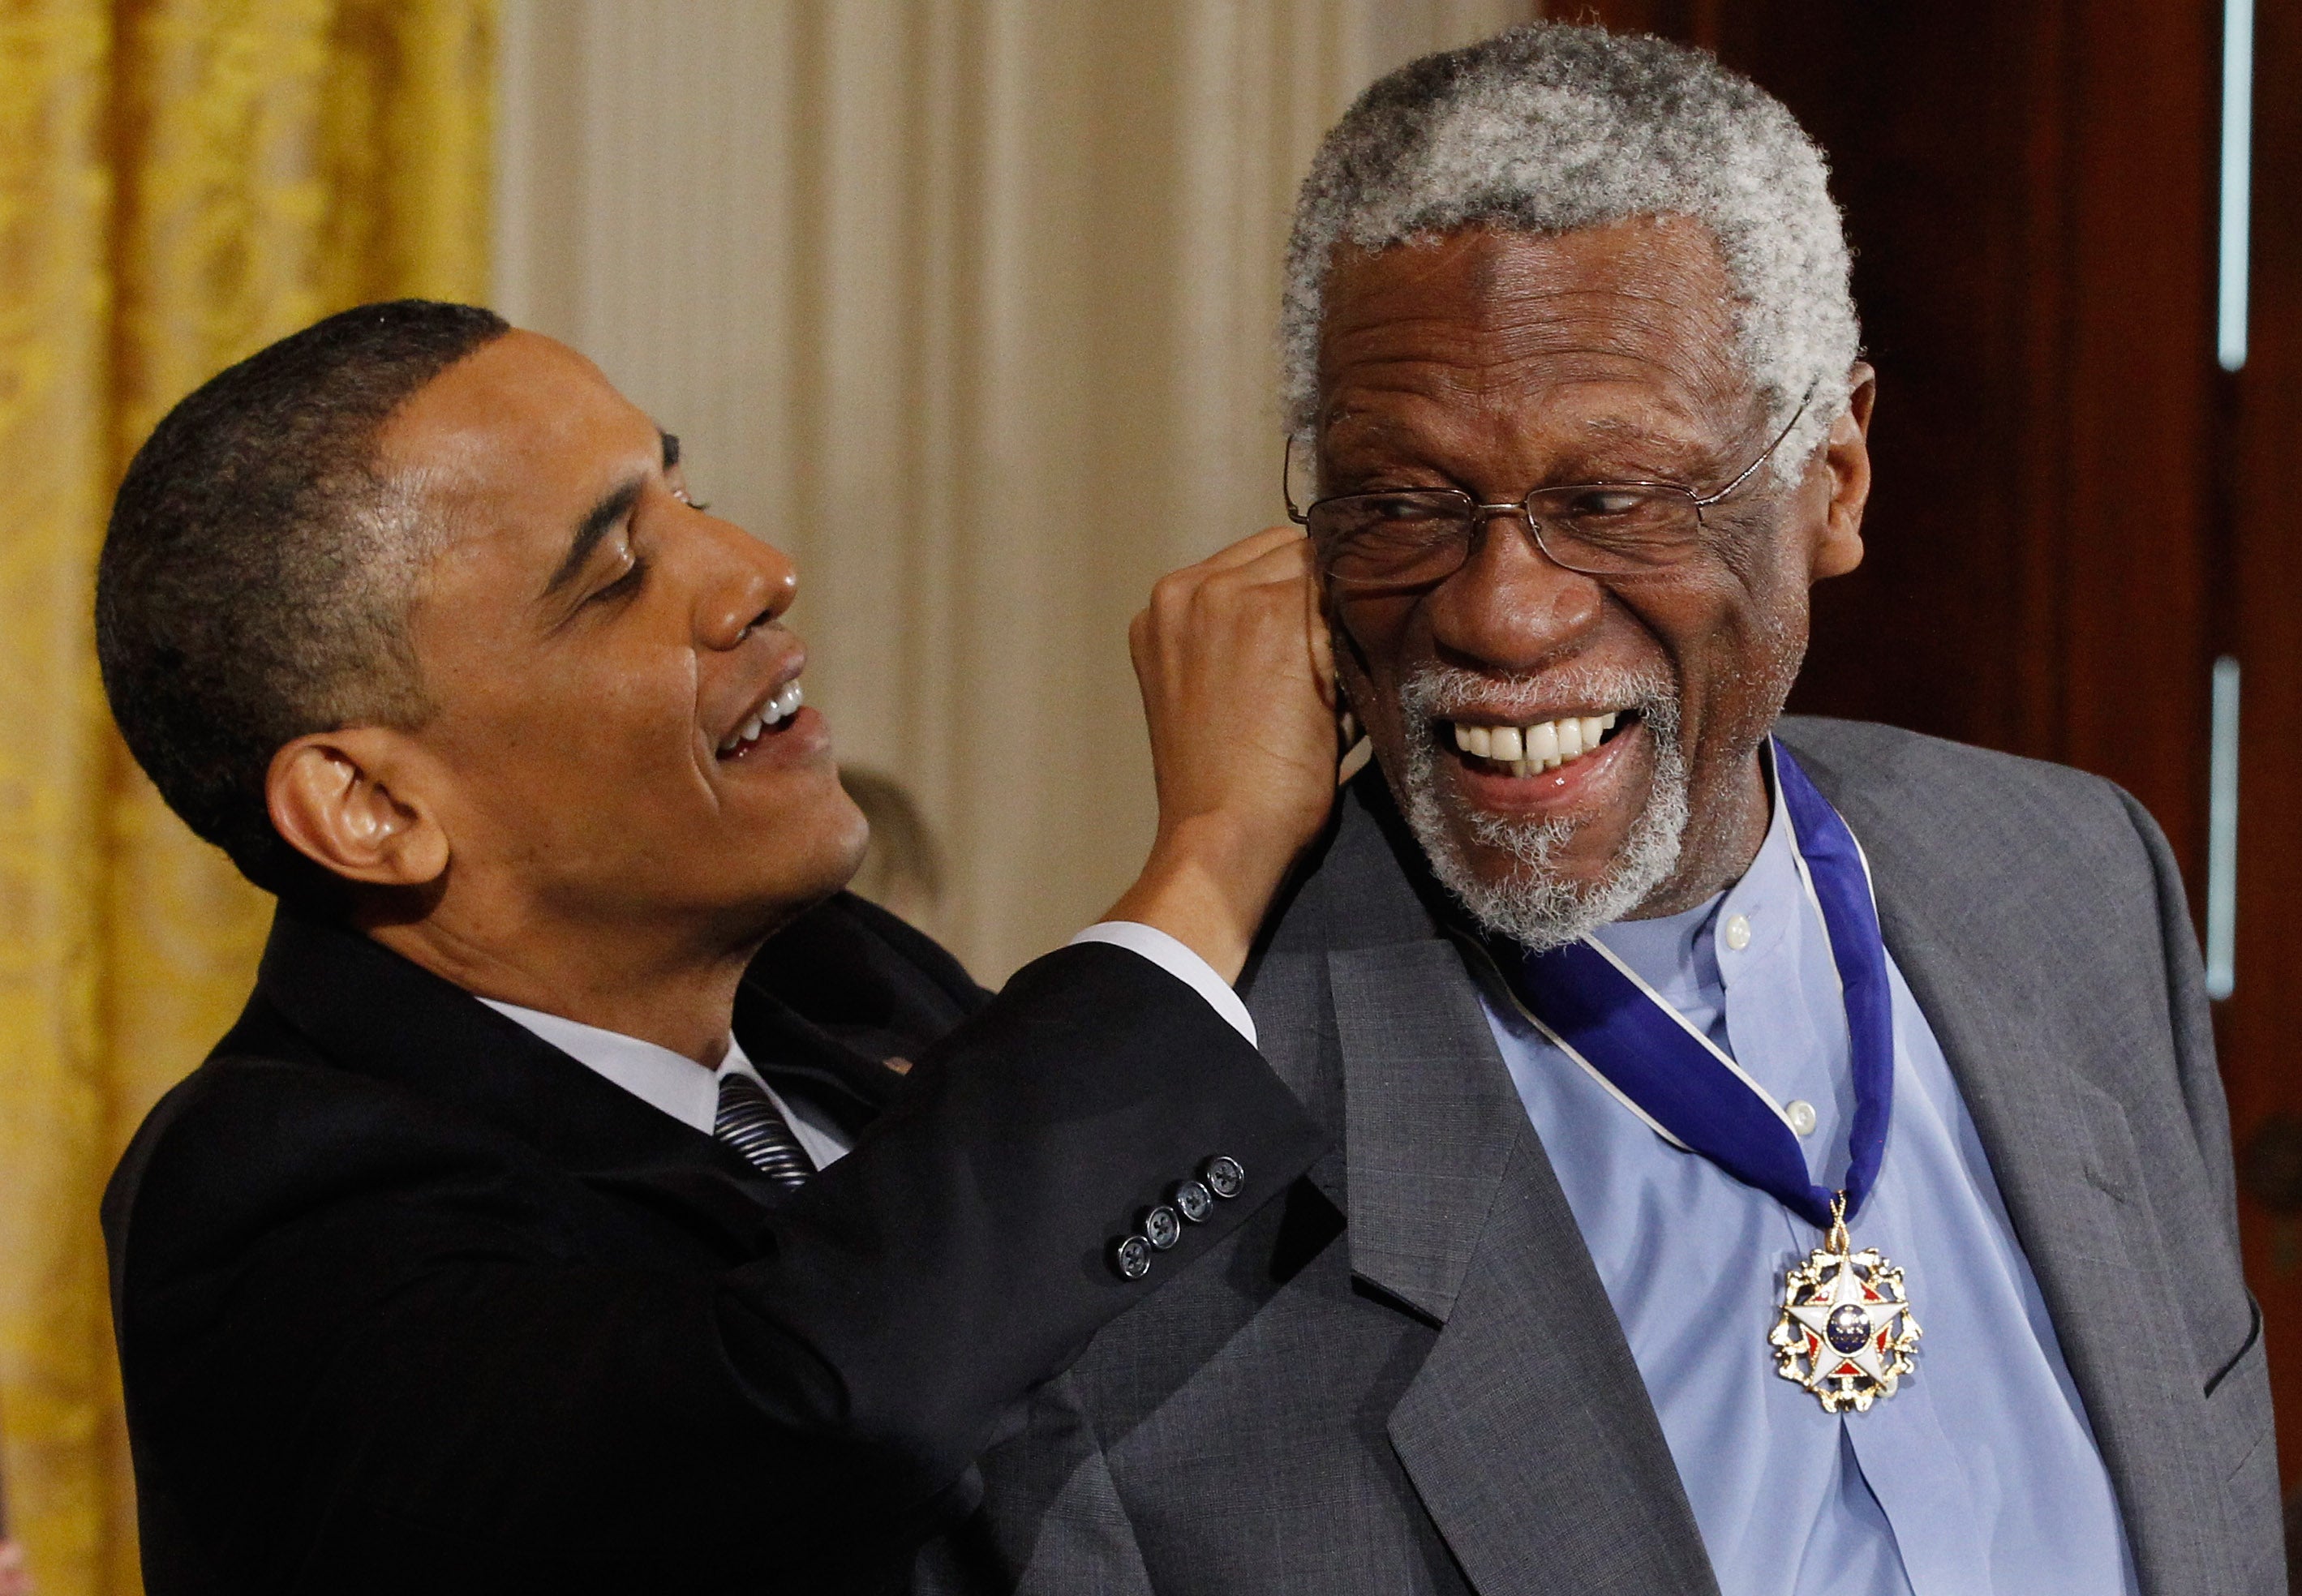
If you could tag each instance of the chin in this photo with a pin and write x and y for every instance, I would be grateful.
(1540, 875)
(810, 857)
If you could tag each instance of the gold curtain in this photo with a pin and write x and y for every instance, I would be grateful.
(180, 183)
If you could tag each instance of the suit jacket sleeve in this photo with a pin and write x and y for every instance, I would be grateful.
(389, 1342)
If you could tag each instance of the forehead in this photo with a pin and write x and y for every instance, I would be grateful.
(523, 422)
(1485, 319)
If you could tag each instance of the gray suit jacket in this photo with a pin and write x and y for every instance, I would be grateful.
(1406, 1377)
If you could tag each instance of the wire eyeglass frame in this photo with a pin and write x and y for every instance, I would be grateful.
(1461, 530)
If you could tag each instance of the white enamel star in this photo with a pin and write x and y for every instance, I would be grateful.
(1838, 1335)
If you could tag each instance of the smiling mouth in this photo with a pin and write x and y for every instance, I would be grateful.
(1535, 747)
(764, 722)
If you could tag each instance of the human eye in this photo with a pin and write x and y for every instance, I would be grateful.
(1381, 525)
(630, 576)
(1606, 502)
(1416, 505)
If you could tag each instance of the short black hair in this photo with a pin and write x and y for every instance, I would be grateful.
(258, 571)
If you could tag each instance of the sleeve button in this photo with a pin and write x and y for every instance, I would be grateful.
(1192, 1200)
(1225, 1176)
(1160, 1228)
(1132, 1259)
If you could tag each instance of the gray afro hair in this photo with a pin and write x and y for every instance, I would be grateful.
(1553, 127)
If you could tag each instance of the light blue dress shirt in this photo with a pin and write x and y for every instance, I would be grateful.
(1981, 1474)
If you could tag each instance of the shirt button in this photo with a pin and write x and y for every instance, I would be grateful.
(1801, 1115)
(1738, 933)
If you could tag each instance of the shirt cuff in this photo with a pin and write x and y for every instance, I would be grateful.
(1179, 962)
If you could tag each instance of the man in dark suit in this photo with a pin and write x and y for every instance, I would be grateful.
(1778, 1158)
(536, 1228)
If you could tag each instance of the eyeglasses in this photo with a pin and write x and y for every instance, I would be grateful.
(1409, 538)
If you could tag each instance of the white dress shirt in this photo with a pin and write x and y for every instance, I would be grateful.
(689, 1093)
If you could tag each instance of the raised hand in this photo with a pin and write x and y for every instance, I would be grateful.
(1238, 679)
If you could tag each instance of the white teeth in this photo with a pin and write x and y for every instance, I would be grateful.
(778, 708)
(1530, 749)
(1542, 743)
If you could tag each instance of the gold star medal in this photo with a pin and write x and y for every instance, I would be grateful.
(1846, 1333)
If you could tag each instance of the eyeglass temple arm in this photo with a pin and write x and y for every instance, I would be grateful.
(1750, 470)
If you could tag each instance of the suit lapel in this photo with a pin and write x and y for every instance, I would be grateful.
(1430, 1120)
(1528, 1432)
(2065, 1162)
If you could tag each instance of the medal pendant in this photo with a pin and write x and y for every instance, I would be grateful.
(1846, 1333)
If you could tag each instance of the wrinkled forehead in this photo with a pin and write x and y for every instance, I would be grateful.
(1486, 316)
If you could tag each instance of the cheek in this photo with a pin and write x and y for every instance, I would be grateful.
(621, 742)
(1736, 633)
(1372, 641)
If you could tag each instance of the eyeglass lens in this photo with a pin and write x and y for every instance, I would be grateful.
(1424, 536)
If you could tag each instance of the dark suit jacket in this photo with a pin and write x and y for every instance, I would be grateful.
(1406, 1377)
(408, 1300)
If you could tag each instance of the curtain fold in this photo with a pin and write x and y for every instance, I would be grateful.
(180, 183)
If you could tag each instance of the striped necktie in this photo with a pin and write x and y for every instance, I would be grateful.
(750, 1122)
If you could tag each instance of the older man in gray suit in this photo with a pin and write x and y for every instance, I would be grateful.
(1776, 1155)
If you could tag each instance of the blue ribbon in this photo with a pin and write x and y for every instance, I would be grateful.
(1648, 1053)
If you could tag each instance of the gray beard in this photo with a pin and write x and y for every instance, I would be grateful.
(1532, 904)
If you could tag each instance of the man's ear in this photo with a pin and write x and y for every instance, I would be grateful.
(1846, 461)
(343, 798)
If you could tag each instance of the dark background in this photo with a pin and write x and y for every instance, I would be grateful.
(2075, 508)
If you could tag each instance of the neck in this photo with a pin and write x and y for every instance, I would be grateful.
(675, 991)
(1723, 836)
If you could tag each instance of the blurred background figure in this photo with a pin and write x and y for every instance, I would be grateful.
(970, 305)
(903, 867)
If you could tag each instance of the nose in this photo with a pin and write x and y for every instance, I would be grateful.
(1511, 607)
(748, 583)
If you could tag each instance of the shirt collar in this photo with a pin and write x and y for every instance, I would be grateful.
(1764, 901)
(1695, 950)
(657, 1076)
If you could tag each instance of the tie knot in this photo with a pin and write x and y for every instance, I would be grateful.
(749, 1121)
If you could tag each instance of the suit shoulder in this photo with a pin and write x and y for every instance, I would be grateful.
(250, 1140)
(1867, 752)
(1862, 764)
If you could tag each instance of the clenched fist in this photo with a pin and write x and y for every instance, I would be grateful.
(1238, 680)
